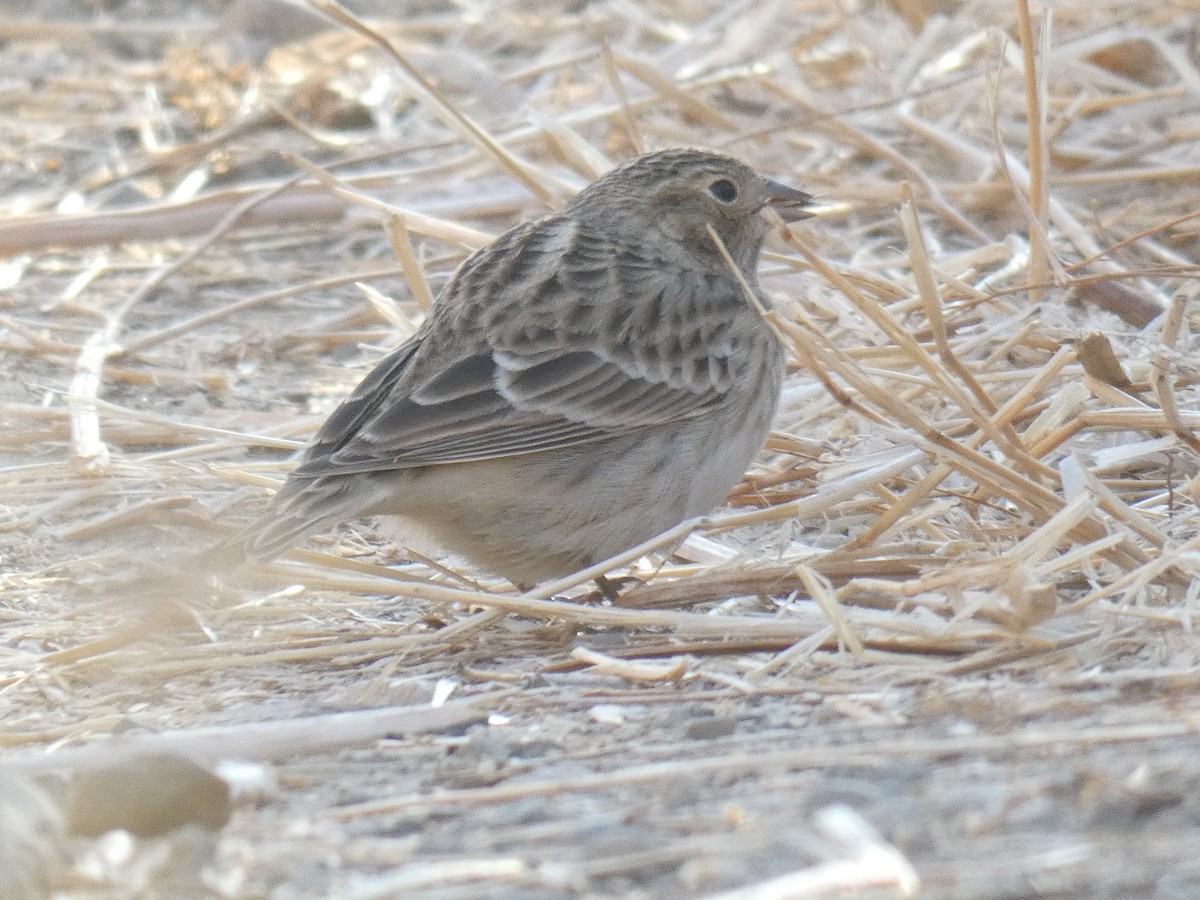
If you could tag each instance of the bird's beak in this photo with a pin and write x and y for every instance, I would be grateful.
(791, 205)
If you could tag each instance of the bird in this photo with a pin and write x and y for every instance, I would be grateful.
(582, 384)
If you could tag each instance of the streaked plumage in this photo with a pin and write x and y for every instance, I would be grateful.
(583, 383)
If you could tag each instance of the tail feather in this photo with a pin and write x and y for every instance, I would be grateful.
(302, 508)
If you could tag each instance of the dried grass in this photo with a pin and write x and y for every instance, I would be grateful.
(986, 457)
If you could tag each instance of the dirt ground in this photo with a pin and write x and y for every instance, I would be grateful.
(939, 643)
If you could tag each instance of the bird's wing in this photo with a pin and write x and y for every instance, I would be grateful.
(487, 406)
(546, 382)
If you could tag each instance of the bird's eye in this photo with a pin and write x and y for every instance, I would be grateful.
(723, 190)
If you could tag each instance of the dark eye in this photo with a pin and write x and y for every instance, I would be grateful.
(724, 190)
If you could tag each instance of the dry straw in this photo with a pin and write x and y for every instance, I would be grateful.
(951, 401)
(987, 451)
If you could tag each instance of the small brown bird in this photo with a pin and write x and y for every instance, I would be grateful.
(582, 384)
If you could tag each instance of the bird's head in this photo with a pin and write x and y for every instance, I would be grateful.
(678, 193)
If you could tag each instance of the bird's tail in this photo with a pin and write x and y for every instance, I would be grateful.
(300, 508)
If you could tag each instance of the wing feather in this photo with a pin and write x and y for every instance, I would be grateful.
(492, 392)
